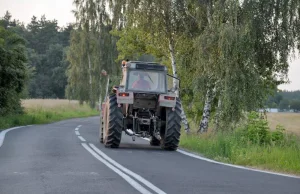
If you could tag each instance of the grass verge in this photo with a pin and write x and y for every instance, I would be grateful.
(46, 111)
(279, 152)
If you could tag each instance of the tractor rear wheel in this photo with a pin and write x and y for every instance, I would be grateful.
(112, 128)
(171, 134)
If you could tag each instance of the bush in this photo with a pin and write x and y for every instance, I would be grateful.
(278, 135)
(256, 130)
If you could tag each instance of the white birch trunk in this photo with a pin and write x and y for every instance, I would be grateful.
(218, 115)
(175, 86)
(90, 82)
(210, 94)
(90, 69)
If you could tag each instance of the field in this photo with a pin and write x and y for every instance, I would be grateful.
(40, 111)
(290, 121)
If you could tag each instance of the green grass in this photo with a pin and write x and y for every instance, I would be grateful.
(48, 112)
(231, 148)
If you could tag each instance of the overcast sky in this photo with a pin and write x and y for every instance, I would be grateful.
(60, 10)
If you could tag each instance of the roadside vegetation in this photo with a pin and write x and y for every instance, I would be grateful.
(230, 56)
(251, 144)
(41, 111)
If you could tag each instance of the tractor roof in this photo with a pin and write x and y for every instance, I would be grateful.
(146, 65)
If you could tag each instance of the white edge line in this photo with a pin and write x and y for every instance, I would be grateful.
(127, 178)
(231, 165)
(129, 172)
(77, 133)
(81, 138)
(3, 133)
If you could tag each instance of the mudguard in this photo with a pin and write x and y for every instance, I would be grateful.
(167, 100)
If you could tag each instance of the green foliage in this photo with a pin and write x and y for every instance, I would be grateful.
(13, 71)
(45, 45)
(92, 49)
(237, 50)
(295, 105)
(278, 135)
(284, 104)
(256, 130)
(282, 99)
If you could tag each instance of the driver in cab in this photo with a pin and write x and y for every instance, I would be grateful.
(141, 83)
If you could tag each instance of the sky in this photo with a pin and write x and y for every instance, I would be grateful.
(23, 10)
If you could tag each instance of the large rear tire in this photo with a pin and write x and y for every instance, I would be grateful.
(171, 134)
(112, 129)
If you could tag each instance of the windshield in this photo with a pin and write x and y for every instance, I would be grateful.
(143, 80)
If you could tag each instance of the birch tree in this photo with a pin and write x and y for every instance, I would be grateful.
(160, 21)
(245, 49)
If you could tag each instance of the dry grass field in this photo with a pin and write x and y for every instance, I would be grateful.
(291, 121)
(40, 111)
(48, 103)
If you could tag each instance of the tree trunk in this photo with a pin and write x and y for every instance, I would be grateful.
(218, 115)
(174, 68)
(90, 82)
(210, 94)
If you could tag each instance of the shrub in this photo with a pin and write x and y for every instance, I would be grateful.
(256, 130)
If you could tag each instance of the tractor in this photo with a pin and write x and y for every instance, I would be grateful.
(142, 106)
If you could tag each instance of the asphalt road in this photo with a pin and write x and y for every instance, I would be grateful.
(66, 157)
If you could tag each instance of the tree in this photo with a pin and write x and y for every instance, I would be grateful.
(295, 105)
(154, 27)
(13, 71)
(284, 104)
(92, 49)
(241, 52)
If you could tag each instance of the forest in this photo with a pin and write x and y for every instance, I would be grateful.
(284, 100)
(230, 55)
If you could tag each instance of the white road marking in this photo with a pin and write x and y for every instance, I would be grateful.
(77, 133)
(129, 172)
(127, 178)
(231, 165)
(81, 138)
(3, 133)
(76, 129)
(79, 126)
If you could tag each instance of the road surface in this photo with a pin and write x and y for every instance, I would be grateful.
(66, 157)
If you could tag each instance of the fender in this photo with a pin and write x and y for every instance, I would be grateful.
(167, 100)
(124, 97)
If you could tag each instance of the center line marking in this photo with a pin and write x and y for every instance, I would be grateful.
(127, 178)
(126, 170)
(81, 138)
(77, 133)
